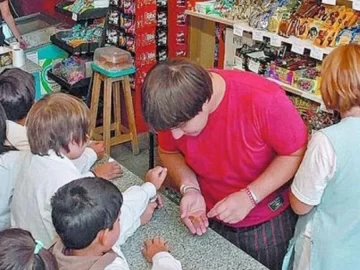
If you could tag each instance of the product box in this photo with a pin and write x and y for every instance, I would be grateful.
(307, 80)
(204, 7)
(5, 57)
(281, 74)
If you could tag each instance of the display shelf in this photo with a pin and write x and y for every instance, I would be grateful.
(292, 89)
(96, 13)
(239, 27)
(84, 83)
(210, 17)
(85, 48)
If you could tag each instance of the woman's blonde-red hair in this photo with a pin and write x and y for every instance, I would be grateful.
(340, 85)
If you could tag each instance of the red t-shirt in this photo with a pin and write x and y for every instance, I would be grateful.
(254, 122)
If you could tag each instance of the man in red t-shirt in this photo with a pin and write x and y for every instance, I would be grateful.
(231, 141)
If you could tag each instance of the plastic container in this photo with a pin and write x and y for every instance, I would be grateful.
(112, 59)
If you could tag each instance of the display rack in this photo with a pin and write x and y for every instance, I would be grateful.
(86, 15)
(79, 88)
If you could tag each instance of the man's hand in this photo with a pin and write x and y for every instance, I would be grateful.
(154, 246)
(108, 170)
(98, 147)
(156, 176)
(193, 212)
(148, 213)
(233, 208)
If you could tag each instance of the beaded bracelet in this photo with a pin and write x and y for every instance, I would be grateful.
(251, 196)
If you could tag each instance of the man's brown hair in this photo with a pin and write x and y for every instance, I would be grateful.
(56, 120)
(174, 92)
(340, 85)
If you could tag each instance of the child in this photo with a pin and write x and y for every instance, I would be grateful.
(86, 215)
(325, 192)
(19, 250)
(57, 127)
(9, 161)
(17, 95)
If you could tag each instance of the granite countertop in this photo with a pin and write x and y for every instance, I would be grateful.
(206, 252)
(29, 67)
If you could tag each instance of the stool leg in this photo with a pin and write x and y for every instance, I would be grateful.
(130, 115)
(151, 150)
(117, 107)
(95, 93)
(107, 115)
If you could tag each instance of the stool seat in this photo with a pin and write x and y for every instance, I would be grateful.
(113, 74)
(113, 132)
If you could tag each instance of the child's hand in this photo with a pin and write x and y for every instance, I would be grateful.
(156, 176)
(108, 171)
(148, 213)
(154, 246)
(98, 147)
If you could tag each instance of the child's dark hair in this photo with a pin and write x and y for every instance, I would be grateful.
(17, 93)
(3, 118)
(82, 208)
(17, 251)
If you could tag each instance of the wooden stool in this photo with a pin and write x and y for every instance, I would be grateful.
(113, 83)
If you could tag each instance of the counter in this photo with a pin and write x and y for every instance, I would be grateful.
(29, 67)
(207, 252)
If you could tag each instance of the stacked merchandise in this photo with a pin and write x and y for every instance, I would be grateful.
(177, 42)
(132, 26)
(299, 71)
(162, 30)
(80, 6)
(323, 25)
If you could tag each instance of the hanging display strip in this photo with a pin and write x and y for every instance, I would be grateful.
(177, 28)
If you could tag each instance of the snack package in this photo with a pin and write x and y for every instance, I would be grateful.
(307, 79)
(314, 28)
(302, 29)
(335, 18)
(326, 37)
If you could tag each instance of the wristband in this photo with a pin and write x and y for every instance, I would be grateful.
(251, 196)
(184, 188)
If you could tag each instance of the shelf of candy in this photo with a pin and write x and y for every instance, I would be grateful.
(80, 10)
(297, 74)
(303, 24)
(81, 39)
(71, 73)
(177, 42)
(314, 118)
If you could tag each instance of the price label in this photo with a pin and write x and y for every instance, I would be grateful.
(329, 2)
(317, 53)
(297, 47)
(258, 35)
(356, 4)
(238, 30)
(275, 40)
(254, 66)
(74, 17)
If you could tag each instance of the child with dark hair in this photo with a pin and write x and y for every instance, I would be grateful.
(57, 127)
(93, 218)
(19, 250)
(17, 96)
(9, 161)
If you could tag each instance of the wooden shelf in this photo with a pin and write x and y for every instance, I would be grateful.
(210, 17)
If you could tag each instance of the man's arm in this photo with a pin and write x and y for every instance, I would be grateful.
(279, 172)
(178, 170)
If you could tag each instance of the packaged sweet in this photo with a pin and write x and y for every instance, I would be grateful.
(344, 37)
(112, 58)
(314, 28)
(326, 37)
(307, 79)
(335, 18)
(302, 29)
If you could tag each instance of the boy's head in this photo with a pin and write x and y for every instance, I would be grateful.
(17, 93)
(174, 91)
(86, 212)
(340, 84)
(19, 250)
(58, 122)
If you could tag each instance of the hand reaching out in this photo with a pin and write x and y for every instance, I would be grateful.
(98, 147)
(156, 176)
(108, 170)
(233, 208)
(148, 213)
(154, 246)
(193, 212)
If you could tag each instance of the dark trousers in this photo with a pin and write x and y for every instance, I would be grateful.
(266, 242)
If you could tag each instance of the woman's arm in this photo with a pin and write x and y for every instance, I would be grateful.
(9, 19)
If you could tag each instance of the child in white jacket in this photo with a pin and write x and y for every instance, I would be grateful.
(92, 218)
(57, 127)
